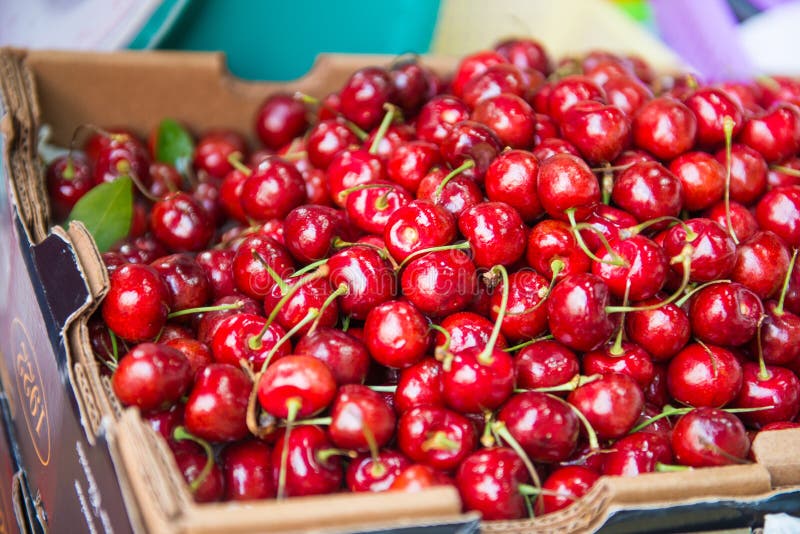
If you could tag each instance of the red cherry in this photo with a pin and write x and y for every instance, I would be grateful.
(780, 335)
(366, 473)
(488, 481)
(628, 359)
(247, 467)
(627, 93)
(152, 377)
(418, 477)
(748, 173)
(280, 119)
(368, 277)
(439, 283)
(303, 381)
(363, 96)
(761, 264)
(570, 90)
(472, 66)
(410, 162)
(611, 404)
(218, 267)
(273, 190)
(702, 179)
(525, 54)
(643, 272)
(345, 355)
(495, 233)
(547, 148)
(647, 191)
(351, 168)
(701, 375)
(311, 470)
(396, 334)
(569, 484)
(598, 131)
(419, 385)
(458, 194)
(122, 155)
(68, 179)
(725, 314)
(436, 437)
(511, 178)
(664, 127)
(713, 251)
(526, 316)
(566, 182)
(437, 117)
(545, 364)
(640, 452)
(779, 211)
(470, 140)
(360, 419)
(136, 305)
(249, 273)
(475, 382)
(413, 84)
(551, 240)
(185, 279)
(777, 387)
(710, 106)
(576, 312)
(510, 117)
(326, 139)
(191, 462)
(213, 150)
(545, 426)
(775, 134)
(498, 79)
(707, 437)
(181, 223)
(217, 405)
(466, 330)
(232, 340)
(743, 222)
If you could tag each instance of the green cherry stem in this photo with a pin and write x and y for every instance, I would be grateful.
(594, 444)
(500, 429)
(205, 309)
(616, 348)
(556, 266)
(235, 159)
(464, 245)
(441, 351)
(308, 268)
(576, 227)
(785, 170)
(180, 434)
(293, 406)
(391, 110)
(342, 289)
(284, 287)
(452, 174)
(353, 127)
(785, 286)
(671, 468)
(637, 229)
(310, 316)
(727, 128)
(114, 345)
(527, 343)
(684, 299)
(571, 385)
(485, 356)
(383, 389)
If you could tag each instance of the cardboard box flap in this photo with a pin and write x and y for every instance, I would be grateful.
(777, 451)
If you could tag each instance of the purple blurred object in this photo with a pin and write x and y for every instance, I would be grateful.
(703, 33)
(764, 5)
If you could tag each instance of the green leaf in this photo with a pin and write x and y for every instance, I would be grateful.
(174, 145)
(106, 211)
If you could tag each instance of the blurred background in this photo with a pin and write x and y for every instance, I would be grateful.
(277, 40)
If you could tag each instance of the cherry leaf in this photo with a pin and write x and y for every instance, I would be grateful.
(174, 145)
(106, 211)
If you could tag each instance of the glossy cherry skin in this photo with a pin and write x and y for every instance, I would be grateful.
(598, 131)
(502, 78)
(714, 252)
(545, 426)
(648, 190)
(472, 66)
(249, 274)
(611, 404)
(185, 280)
(307, 473)
(495, 233)
(638, 453)
(410, 162)
(419, 385)
(780, 388)
(472, 385)
(743, 222)
(779, 211)
(551, 240)
(211, 321)
(632, 360)
(310, 229)
(468, 329)
(471, 140)
(564, 182)
(777, 178)
(570, 483)
(413, 84)
(136, 305)
(780, 335)
(311, 295)
(326, 139)
(218, 267)
(702, 179)
(748, 173)
(368, 277)
(345, 355)
(231, 341)
(217, 405)
(273, 190)
(526, 313)
(152, 377)
(359, 412)
(544, 364)
(197, 353)
(439, 283)
(488, 481)
(230, 194)
(511, 178)
(458, 195)
(726, 314)
(576, 312)
(280, 119)
(570, 90)
(301, 379)
(363, 96)
(191, 461)
(525, 53)
(365, 474)
(627, 93)
(547, 148)
(416, 226)
(122, 155)
(437, 117)
(646, 267)
(710, 107)
(418, 477)
(704, 376)
(181, 223)
(350, 168)
(761, 264)
(68, 179)
(436, 437)
(369, 209)
(396, 334)
(707, 437)
(247, 468)
(213, 150)
(664, 127)
(775, 134)
(510, 117)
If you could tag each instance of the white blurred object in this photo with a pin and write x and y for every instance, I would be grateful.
(771, 40)
(73, 24)
(781, 524)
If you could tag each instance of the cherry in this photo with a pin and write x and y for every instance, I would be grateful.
(436, 437)
(547, 148)
(351, 168)
(230, 193)
(545, 364)
(416, 226)
(564, 486)
(488, 481)
(437, 117)
(576, 312)
(213, 150)
(419, 385)
(314, 467)
(545, 128)
(410, 162)
(511, 178)
(151, 377)
(570, 90)
(367, 275)
(553, 241)
(611, 404)
(710, 106)
(647, 191)
(495, 233)
(566, 182)
(598, 131)
(456, 195)
(136, 305)
(626, 93)
(545, 426)
(642, 272)
(502, 78)
(180, 222)
(68, 179)
(418, 477)
(702, 179)
(241, 336)
(370, 206)
(640, 452)
(185, 280)
(326, 139)
(247, 468)
(761, 264)
(396, 334)
(366, 473)
(664, 127)
(250, 263)
(725, 314)
(273, 190)
(465, 330)
(780, 335)
(704, 375)
(144, 249)
(625, 358)
(206, 485)
(742, 222)
(784, 174)
(413, 84)
(713, 254)
(363, 96)
(296, 386)
(748, 173)
(470, 140)
(217, 265)
(525, 53)
(360, 419)
(122, 155)
(775, 134)
(280, 119)
(472, 66)
(510, 117)
(310, 230)
(198, 354)
(211, 321)
(474, 382)
(217, 406)
(345, 355)
(290, 302)
(707, 437)
(764, 386)
(439, 283)
(526, 317)
(779, 211)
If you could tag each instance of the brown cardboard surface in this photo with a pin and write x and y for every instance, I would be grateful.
(65, 90)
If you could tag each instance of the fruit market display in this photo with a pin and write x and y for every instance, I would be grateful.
(513, 280)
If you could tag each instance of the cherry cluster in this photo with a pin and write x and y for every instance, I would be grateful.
(512, 281)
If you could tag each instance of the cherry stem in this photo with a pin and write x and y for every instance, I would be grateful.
(69, 171)
(616, 349)
(312, 314)
(293, 406)
(681, 301)
(685, 258)
(667, 411)
(607, 185)
(342, 289)
(361, 187)
(594, 444)
(235, 159)
(384, 389)
(691, 235)
(529, 342)
(326, 454)
(96, 129)
(571, 385)
(455, 172)
(464, 245)
(346, 323)
(612, 168)
(487, 439)
(785, 286)
(577, 227)
(338, 243)
(440, 352)
(502, 431)
(391, 110)
(727, 128)
(180, 434)
(671, 468)
(309, 267)
(205, 309)
(377, 469)
(439, 441)
(763, 373)
(785, 170)
(531, 491)
(485, 356)
(284, 287)
(556, 266)
(321, 421)
(114, 346)
(124, 170)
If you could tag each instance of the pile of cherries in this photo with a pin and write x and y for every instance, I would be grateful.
(512, 281)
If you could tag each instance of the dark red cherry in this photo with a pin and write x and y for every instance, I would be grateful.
(545, 426)
(151, 377)
(708, 437)
(598, 131)
(502, 78)
(217, 265)
(345, 355)
(664, 127)
(249, 273)
(280, 119)
(247, 467)
(568, 484)
(704, 375)
(197, 353)
(743, 222)
(488, 481)
(326, 139)
(511, 178)
(440, 283)
(367, 275)
(68, 179)
(468, 329)
(273, 190)
(545, 364)
(526, 314)
(363, 96)
(648, 190)
(458, 194)
(136, 305)
(495, 233)
(779, 211)
(713, 251)
(472, 66)
(311, 469)
(366, 473)
(566, 182)
(396, 334)
(412, 85)
(550, 241)
(181, 223)
(702, 179)
(470, 140)
(191, 461)
(612, 404)
(778, 387)
(185, 279)
(780, 335)
(230, 194)
(525, 53)
(416, 226)
(351, 168)
(122, 155)
(360, 419)
(217, 406)
(640, 452)
(419, 385)
(570, 90)
(725, 314)
(510, 117)
(775, 134)
(626, 93)
(629, 359)
(662, 331)
(576, 312)
(213, 150)
(296, 385)
(761, 264)
(436, 437)
(748, 173)
(310, 229)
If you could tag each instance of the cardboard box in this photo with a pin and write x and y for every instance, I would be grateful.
(94, 466)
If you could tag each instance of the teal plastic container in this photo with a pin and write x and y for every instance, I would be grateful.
(278, 40)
